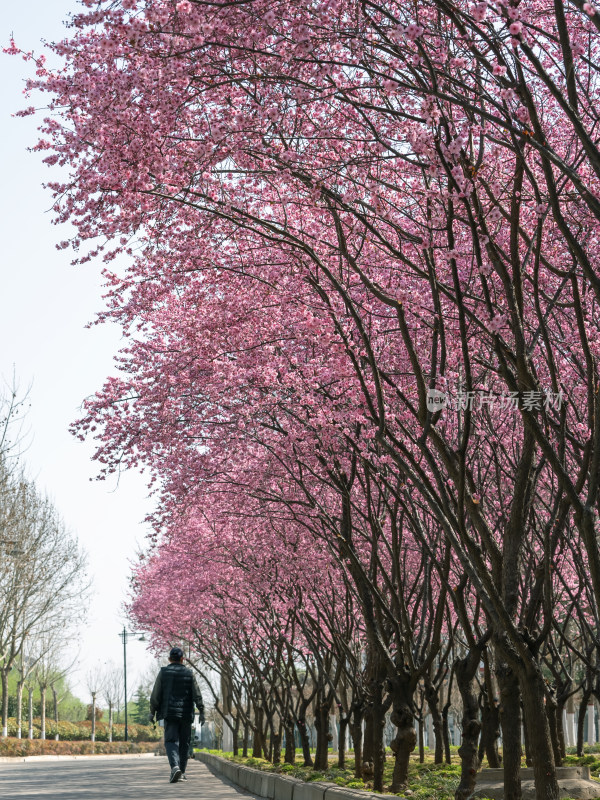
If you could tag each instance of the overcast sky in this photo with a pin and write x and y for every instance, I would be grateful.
(45, 304)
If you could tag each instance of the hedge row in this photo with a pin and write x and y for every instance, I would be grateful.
(39, 747)
(79, 731)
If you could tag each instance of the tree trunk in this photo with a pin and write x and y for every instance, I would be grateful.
(322, 725)
(93, 716)
(55, 700)
(30, 711)
(552, 714)
(110, 720)
(5, 670)
(534, 696)
(367, 753)
(342, 740)
(42, 712)
(432, 697)
(290, 742)
(405, 740)
(510, 721)
(378, 747)
(446, 733)
(465, 670)
(276, 759)
(490, 732)
(421, 740)
(356, 732)
(304, 741)
(20, 685)
(257, 745)
(236, 733)
(528, 758)
(246, 739)
(560, 728)
(581, 719)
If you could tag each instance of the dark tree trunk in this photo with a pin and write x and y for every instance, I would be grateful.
(528, 758)
(367, 754)
(465, 670)
(55, 701)
(290, 743)
(236, 733)
(246, 739)
(378, 726)
(304, 741)
(581, 719)
(560, 728)
(510, 721)
(322, 726)
(356, 733)
(432, 698)
(30, 712)
(5, 671)
(490, 733)
(342, 740)
(276, 740)
(544, 768)
(421, 740)
(405, 740)
(446, 734)
(552, 714)
(257, 741)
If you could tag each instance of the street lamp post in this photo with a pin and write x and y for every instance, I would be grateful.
(125, 634)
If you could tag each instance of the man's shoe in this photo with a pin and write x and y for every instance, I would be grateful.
(175, 775)
(183, 778)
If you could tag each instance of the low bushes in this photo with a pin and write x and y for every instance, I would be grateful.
(45, 747)
(80, 731)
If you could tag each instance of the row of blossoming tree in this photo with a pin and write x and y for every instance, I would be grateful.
(361, 299)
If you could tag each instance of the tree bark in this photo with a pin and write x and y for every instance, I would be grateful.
(342, 740)
(304, 741)
(581, 719)
(42, 712)
(465, 670)
(30, 711)
(446, 733)
(246, 739)
(20, 686)
(378, 747)
(421, 740)
(257, 743)
(236, 733)
(290, 743)
(552, 713)
(544, 768)
(510, 721)
(405, 740)
(490, 732)
(55, 700)
(432, 698)
(4, 702)
(356, 732)
(322, 708)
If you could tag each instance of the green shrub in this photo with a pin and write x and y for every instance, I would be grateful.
(20, 748)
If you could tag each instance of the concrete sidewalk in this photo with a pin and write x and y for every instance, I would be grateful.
(146, 779)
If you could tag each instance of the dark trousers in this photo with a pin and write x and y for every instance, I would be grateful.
(178, 733)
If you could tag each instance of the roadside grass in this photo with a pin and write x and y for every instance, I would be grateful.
(426, 781)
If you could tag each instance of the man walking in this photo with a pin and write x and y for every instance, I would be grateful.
(173, 698)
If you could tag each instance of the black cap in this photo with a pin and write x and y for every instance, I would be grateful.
(176, 654)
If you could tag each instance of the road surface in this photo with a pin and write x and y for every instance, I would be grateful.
(104, 777)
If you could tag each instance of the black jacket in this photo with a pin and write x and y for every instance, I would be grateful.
(175, 693)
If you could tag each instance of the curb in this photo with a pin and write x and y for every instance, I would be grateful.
(21, 759)
(282, 787)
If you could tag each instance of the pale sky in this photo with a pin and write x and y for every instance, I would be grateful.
(44, 305)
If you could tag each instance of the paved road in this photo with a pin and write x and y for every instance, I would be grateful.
(97, 779)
